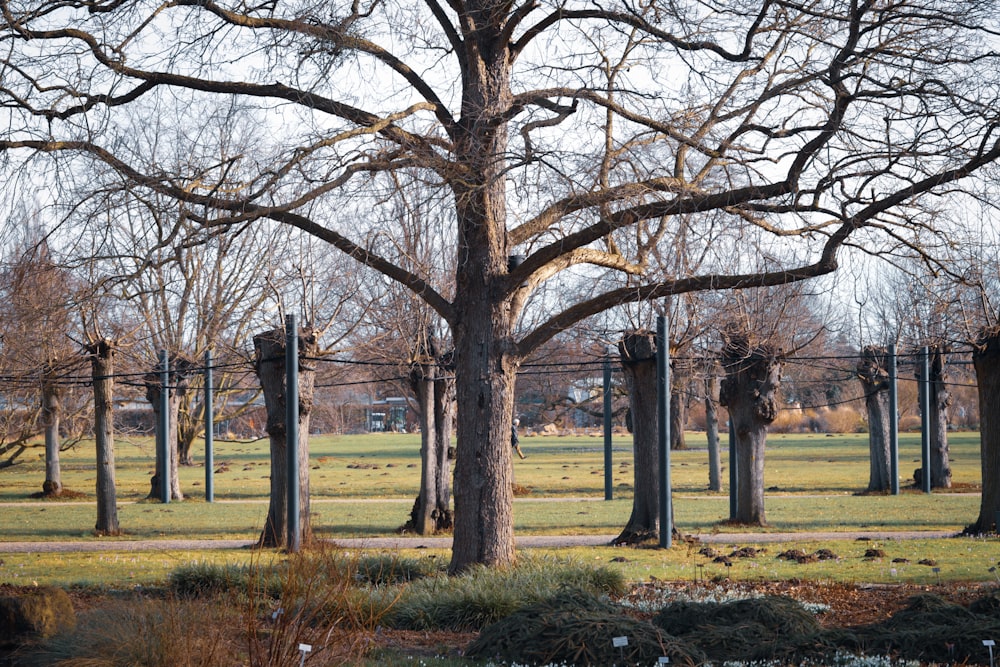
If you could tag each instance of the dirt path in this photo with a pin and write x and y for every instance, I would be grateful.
(524, 541)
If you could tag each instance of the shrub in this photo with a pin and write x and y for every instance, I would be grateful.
(380, 569)
(576, 628)
(201, 579)
(35, 612)
(757, 628)
(483, 595)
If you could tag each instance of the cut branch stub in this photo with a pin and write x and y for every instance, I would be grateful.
(872, 369)
(754, 371)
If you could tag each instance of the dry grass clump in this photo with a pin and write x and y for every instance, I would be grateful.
(33, 612)
(145, 633)
(222, 616)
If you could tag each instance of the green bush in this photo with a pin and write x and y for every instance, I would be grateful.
(484, 595)
(380, 569)
(200, 579)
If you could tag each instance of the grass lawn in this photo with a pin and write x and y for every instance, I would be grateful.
(364, 485)
(388, 465)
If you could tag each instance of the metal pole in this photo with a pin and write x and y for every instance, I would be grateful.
(209, 431)
(663, 422)
(163, 428)
(608, 472)
(925, 417)
(292, 430)
(733, 472)
(893, 422)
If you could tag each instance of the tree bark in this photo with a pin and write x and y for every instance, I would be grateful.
(102, 370)
(678, 413)
(484, 526)
(986, 359)
(753, 374)
(874, 377)
(712, 431)
(638, 358)
(483, 313)
(51, 414)
(269, 363)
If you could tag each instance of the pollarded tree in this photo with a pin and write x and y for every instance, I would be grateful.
(873, 374)
(781, 132)
(269, 364)
(753, 374)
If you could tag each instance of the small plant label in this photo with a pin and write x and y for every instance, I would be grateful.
(305, 648)
(619, 642)
(664, 660)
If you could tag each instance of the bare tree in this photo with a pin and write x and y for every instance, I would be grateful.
(786, 132)
(36, 310)
(269, 362)
(102, 351)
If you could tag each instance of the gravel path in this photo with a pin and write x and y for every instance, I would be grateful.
(525, 541)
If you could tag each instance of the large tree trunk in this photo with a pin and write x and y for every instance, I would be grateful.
(874, 378)
(753, 373)
(484, 380)
(483, 313)
(712, 431)
(190, 424)
(102, 371)
(638, 358)
(986, 359)
(51, 414)
(269, 351)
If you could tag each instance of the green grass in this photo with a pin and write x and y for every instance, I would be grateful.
(363, 486)
(693, 514)
(811, 480)
(957, 559)
(387, 466)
